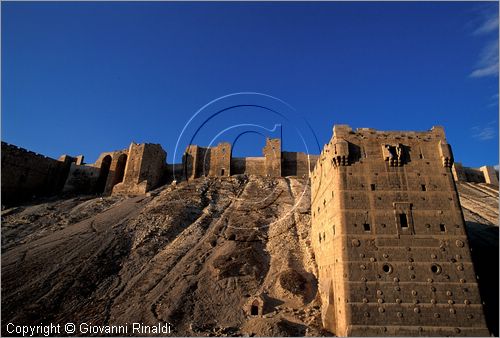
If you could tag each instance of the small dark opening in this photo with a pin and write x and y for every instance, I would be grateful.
(372, 187)
(387, 268)
(435, 268)
(254, 309)
(423, 187)
(366, 226)
(442, 227)
(319, 237)
(222, 172)
(232, 237)
(421, 156)
(403, 220)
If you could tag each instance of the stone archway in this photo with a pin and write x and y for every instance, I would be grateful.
(254, 308)
(121, 164)
(103, 174)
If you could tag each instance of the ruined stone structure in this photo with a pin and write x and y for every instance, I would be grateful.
(26, 174)
(218, 161)
(484, 174)
(389, 237)
(387, 229)
(136, 170)
(144, 169)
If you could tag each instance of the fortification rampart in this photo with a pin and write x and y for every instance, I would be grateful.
(484, 174)
(26, 174)
(389, 237)
(136, 170)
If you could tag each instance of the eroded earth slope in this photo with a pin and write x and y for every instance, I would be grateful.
(196, 255)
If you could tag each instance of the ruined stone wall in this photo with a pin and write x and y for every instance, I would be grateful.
(217, 161)
(144, 170)
(297, 163)
(248, 165)
(484, 174)
(82, 179)
(389, 237)
(174, 171)
(26, 174)
(196, 161)
(490, 175)
(220, 160)
(272, 153)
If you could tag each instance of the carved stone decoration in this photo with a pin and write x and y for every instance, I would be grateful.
(445, 154)
(394, 154)
(340, 152)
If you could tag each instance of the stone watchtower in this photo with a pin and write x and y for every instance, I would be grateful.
(389, 237)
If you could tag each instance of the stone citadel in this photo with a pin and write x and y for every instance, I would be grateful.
(387, 226)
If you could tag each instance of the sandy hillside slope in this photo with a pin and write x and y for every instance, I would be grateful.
(195, 255)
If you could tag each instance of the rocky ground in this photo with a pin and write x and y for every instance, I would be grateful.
(196, 255)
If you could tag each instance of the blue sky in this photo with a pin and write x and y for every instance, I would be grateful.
(88, 77)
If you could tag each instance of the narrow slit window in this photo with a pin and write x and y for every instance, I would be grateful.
(442, 227)
(403, 221)
(366, 226)
(372, 186)
(423, 187)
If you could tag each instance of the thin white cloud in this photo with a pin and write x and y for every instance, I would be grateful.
(485, 132)
(487, 64)
(488, 61)
(490, 24)
(494, 101)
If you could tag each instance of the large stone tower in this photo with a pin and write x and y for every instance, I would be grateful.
(389, 237)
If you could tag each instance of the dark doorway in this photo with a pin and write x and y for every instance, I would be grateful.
(222, 172)
(103, 174)
(120, 169)
(254, 309)
(403, 221)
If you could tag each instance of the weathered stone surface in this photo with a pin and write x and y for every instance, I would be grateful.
(228, 253)
(390, 239)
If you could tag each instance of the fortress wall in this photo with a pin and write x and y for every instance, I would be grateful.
(484, 174)
(386, 218)
(238, 165)
(174, 171)
(272, 153)
(220, 160)
(490, 175)
(254, 165)
(297, 163)
(26, 174)
(82, 179)
(144, 170)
